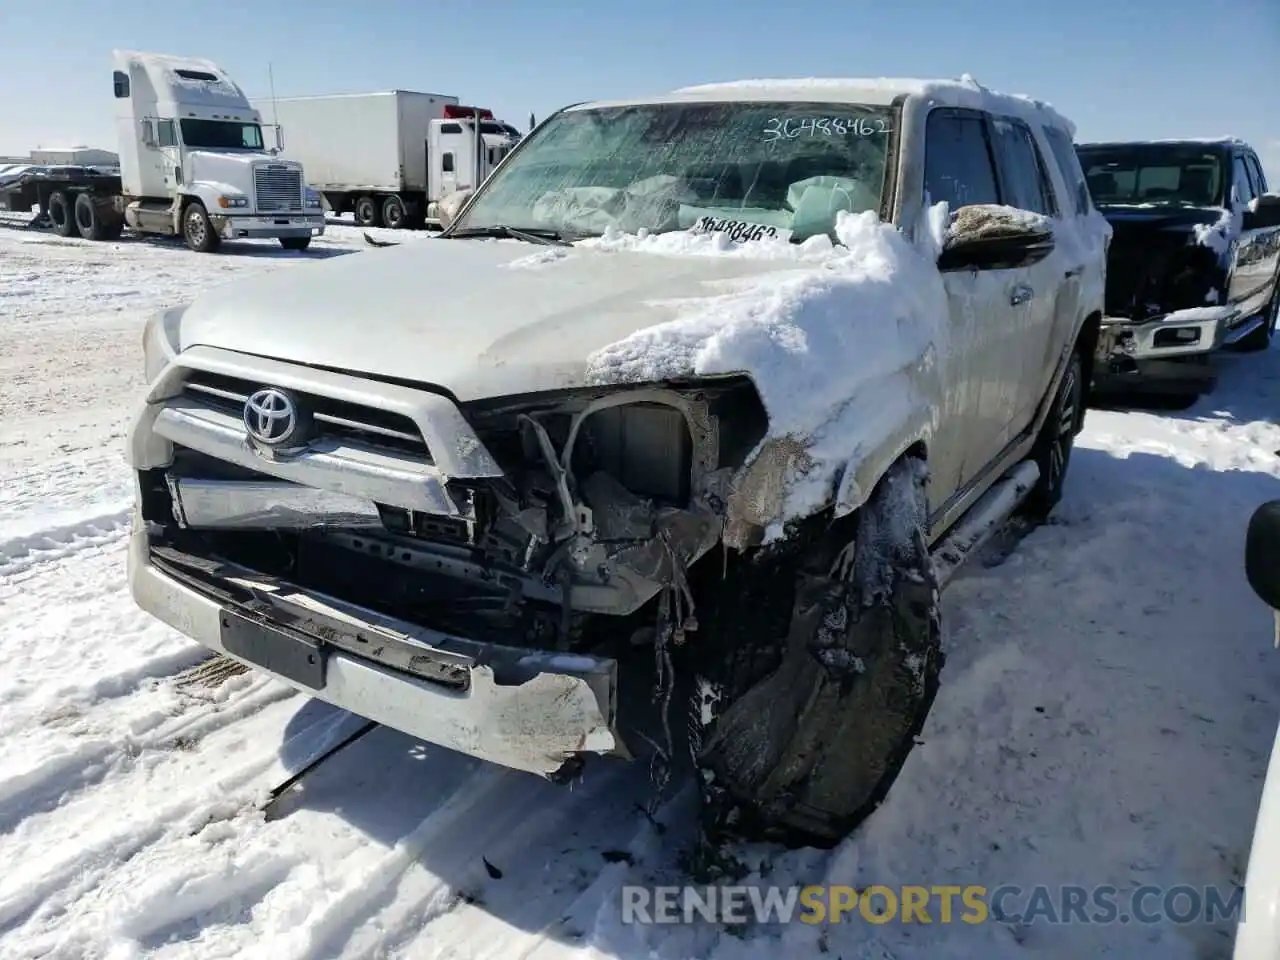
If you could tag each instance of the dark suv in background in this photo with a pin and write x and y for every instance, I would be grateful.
(1193, 260)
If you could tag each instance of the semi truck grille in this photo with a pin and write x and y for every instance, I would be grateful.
(278, 189)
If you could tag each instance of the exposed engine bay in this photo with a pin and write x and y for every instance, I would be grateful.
(607, 498)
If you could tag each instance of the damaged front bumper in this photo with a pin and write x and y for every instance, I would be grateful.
(1173, 351)
(525, 709)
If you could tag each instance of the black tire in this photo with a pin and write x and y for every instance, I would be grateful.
(367, 212)
(1053, 446)
(62, 214)
(96, 218)
(814, 673)
(197, 230)
(393, 213)
(295, 243)
(1260, 339)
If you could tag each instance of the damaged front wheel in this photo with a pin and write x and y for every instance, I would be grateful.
(816, 673)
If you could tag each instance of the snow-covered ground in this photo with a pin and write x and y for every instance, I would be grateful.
(1106, 711)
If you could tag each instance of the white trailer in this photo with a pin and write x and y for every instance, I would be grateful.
(388, 157)
(192, 163)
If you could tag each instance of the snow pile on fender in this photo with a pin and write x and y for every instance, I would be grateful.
(843, 350)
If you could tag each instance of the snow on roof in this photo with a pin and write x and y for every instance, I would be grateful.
(875, 91)
(165, 73)
(1176, 142)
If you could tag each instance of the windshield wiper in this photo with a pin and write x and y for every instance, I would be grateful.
(528, 235)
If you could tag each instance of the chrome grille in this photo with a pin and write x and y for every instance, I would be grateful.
(278, 188)
(334, 419)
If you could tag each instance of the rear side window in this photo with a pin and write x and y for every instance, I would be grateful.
(120, 84)
(958, 166)
(1064, 152)
(1022, 171)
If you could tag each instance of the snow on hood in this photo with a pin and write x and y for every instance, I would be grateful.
(1219, 236)
(838, 347)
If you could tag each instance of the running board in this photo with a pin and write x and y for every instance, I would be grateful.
(983, 519)
(1236, 334)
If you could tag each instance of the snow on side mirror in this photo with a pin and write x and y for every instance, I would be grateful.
(1263, 213)
(1262, 553)
(991, 237)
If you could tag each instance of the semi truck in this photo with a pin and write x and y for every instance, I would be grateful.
(193, 163)
(390, 157)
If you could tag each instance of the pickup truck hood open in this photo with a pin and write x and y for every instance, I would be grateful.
(480, 318)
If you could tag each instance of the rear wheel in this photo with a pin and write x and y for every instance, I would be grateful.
(393, 215)
(815, 673)
(96, 218)
(61, 214)
(1052, 450)
(367, 212)
(198, 231)
(295, 243)
(1260, 339)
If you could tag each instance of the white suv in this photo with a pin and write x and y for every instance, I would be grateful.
(699, 384)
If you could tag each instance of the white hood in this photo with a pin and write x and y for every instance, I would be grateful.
(480, 318)
(229, 169)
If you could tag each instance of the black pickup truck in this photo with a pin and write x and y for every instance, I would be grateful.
(1194, 260)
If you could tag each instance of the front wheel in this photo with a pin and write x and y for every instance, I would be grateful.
(198, 231)
(815, 673)
(295, 243)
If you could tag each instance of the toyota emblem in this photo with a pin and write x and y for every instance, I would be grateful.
(272, 417)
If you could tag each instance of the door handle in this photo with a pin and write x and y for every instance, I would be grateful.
(1020, 294)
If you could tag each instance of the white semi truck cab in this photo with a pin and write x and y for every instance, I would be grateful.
(193, 161)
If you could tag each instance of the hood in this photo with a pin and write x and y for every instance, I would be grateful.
(479, 318)
(1145, 219)
(230, 168)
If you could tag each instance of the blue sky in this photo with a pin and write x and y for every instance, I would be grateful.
(1119, 68)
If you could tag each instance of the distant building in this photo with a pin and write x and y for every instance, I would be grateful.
(79, 156)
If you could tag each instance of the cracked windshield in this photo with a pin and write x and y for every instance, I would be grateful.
(782, 170)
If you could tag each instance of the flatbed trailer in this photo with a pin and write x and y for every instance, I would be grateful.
(72, 200)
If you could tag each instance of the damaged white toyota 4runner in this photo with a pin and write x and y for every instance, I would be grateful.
(703, 383)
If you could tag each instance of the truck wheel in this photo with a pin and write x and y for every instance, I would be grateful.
(295, 243)
(814, 672)
(1052, 450)
(1260, 339)
(367, 212)
(96, 218)
(197, 230)
(393, 213)
(61, 215)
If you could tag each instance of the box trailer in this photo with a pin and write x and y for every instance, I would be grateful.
(388, 157)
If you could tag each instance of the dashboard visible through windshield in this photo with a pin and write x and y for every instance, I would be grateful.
(751, 169)
(1154, 174)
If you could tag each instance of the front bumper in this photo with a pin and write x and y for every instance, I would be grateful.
(231, 227)
(1183, 333)
(524, 709)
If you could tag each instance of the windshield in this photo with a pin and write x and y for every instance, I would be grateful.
(221, 135)
(753, 169)
(1154, 174)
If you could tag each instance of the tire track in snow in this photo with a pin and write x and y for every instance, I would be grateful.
(21, 554)
(64, 857)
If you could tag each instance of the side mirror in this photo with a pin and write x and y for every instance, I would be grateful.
(1262, 553)
(148, 133)
(992, 237)
(279, 138)
(1263, 213)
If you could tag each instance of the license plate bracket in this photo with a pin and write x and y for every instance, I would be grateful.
(285, 652)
